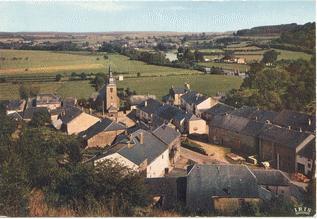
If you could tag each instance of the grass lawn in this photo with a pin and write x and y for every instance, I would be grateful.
(228, 66)
(79, 89)
(43, 62)
(159, 86)
(286, 54)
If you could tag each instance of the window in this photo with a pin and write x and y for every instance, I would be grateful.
(111, 90)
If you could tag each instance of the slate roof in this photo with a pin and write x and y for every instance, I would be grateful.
(168, 112)
(283, 136)
(296, 120)
(253, 128)
(194, 98)
(138, 153)
(230, 122)
(151, 106)
(166, 134)
(69, 113)
(245, 111)
(226, 180)
(15, 104)
(219, 109)
(101, 126)
(263, 115)
(28, 112)
(271, 177)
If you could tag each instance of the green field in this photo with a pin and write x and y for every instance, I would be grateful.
(159, 86)
(47, 62)
(286, 54)
(79, 89)
(227, 66)
(210, 50)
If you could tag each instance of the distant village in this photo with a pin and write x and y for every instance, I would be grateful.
(191, 148)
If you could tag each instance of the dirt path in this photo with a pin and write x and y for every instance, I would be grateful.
(214, 151)
(199, 158)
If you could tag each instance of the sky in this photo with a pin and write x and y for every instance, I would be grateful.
(180, 16)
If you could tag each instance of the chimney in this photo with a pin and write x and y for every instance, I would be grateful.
(256, 118)
(145, 103)
(300, 130)
(309, 121)
(141, 138)
(289, 127)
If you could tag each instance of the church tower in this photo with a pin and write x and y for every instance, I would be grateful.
(111, 97)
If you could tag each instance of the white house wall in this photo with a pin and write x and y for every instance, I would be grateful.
(157, 167)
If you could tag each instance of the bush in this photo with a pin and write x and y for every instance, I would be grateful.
(58, 77)
(193, 147)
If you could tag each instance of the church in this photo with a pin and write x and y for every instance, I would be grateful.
(111, 100)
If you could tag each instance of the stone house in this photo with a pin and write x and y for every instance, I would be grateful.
(274, 181)
(221, 188)
(74, 120)
(141, 151)
(15, 106)
(280, 146)
(171, 138)
(249, 141)
(225, 130)
(49, 101)
(146, 109)
(102, 133)
(196, 103)
(183, 121)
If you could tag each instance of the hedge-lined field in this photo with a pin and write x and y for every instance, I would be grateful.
(159, 86)
(22, 62)
(79, 89)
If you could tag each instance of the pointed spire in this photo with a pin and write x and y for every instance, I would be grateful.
(110, 72)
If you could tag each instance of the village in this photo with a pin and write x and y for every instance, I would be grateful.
(191, 148)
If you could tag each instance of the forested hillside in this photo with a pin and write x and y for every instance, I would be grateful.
(301, 35)
(287, 85)
(267, 30)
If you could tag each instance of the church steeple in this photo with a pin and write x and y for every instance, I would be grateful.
(111, 79)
